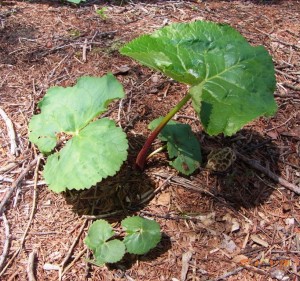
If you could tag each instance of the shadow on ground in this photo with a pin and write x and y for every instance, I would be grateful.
(129, 260)
(241, 185)
(118, 196)
(10, 41)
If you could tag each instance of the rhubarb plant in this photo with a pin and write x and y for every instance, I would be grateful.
(140, 236)
(92, 149)
(230, 82)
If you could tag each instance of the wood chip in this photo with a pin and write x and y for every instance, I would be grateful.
(49, 266)
(163, 199)
(186, 257)
(241, 259)
(259, 241)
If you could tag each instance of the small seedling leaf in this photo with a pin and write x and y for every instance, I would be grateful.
(141, 234)
(99, 232)
(93, 150)
(110, 252)
(97, 240)
(232, 81)
(181, 144)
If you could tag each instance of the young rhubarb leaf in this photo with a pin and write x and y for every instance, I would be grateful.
(94, 150)
(231, 81)
(181, 144)
(141, 234)
(97, 240)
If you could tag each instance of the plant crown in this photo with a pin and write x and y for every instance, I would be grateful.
(231, 82)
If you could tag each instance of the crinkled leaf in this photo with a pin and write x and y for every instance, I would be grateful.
(96, 149)
(181, 144)
(141, 234)
(232, 82)
(104, 251)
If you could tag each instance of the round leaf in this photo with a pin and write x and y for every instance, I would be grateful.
(95, 149)
(141, 234)
(232, 82)
(109, 252)
(96, 152)
(68, 110)
(104, 251)
(98, 233)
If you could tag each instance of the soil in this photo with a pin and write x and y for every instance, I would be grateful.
(235, 225)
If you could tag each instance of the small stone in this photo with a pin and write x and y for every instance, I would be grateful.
(235, 226)
(49, 266)
(279, 275)
(155, 78)
(289, 221)
(228, 244)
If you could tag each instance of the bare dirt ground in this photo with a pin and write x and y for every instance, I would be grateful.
(236, 225)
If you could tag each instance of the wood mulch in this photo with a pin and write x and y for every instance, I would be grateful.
(243, 224)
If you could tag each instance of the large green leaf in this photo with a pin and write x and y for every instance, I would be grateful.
(95, 153)
(95, 150)
(231, 82)
(68, 110)
(141, 234)
(181, 144)
(97, 240)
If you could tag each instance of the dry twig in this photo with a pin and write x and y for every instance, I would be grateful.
(6, 241)
(185, 183)
(11, 132)
(97, 217)
(268, 173)
(228, 274)
(73, 262)
(27, 183)
(287, 75)
(30, 266)
(38, 159)
(162, 186)
(16, 184)
(84, 48)
(272, 38)
(288, 85)
(186, 257)
(8, 167)
(178, 217)
(62, 269)
(14, 275)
